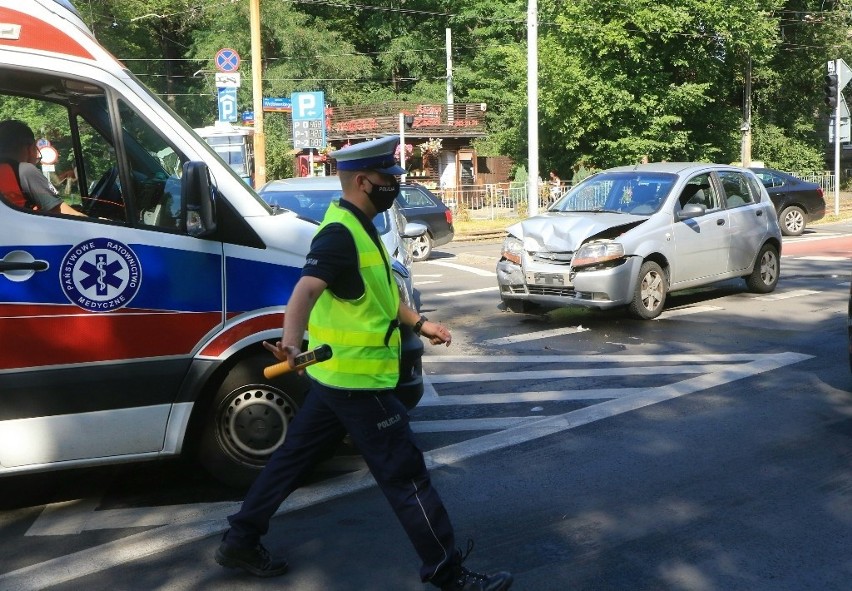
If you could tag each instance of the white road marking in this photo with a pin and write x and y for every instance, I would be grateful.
(416, 275)
(473, 270)
(458, 425)
(515, 397)
(798, 293)
(206, 519)
(532, 336)
(818, 258)
(427, 282)
(674, 312)
(449, 294)
(534, 360)
(584, 372)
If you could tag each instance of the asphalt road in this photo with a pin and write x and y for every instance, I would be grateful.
(707, 450)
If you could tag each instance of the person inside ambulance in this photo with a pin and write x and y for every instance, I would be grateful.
(21, 183)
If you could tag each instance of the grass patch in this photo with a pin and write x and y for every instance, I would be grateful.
(473, 226)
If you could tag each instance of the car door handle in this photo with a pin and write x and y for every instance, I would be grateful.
(18, 266)
(758, 213)
(720, 222)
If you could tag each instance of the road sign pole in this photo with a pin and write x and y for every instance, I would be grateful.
(257, 91)
(840, 83)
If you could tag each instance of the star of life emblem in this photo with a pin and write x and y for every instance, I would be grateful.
(100, 275)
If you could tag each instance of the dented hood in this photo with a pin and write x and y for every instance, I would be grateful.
(566, 231)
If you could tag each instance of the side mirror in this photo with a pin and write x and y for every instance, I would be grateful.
(198, 205)
(414, 229)
(691, 210)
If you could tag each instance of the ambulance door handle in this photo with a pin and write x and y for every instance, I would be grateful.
(19, 265)
(33, 266)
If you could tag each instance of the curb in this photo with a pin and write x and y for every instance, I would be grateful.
(482, 235)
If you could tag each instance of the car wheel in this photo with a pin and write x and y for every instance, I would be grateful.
(792, 221)
(421, 247)
(651, 290)
(767, 268)
(248, 421)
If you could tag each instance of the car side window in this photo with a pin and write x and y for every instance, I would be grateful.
(414, 198)
(737, 191)
(700, 190)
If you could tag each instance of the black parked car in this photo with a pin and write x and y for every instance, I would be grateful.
(421, 205)
(797, 202)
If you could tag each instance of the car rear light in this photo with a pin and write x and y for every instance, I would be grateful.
(449, 215)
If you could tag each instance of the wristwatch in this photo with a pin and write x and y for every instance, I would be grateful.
(419, 324)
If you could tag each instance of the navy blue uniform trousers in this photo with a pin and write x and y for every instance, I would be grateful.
(377, 422)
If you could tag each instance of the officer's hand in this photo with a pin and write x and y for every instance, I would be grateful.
(436, 333)
(282, 353)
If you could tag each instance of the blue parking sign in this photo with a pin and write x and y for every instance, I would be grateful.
(308, 105)
(228, 104)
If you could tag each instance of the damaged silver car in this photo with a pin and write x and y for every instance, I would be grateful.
(630, 235)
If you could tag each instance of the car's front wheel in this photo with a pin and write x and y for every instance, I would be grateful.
(248, 421)
(792, 220)
(651, 290)
(421, 247)
(767, 269)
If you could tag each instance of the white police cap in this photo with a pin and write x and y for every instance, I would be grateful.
(375, 155)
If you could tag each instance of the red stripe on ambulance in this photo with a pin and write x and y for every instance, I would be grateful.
(60, 335)
(234, 334)
(36, 34)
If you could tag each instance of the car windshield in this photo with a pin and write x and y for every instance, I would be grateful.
(313, 204)
(634, 192)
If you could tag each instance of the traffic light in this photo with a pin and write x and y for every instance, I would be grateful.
(830, 89)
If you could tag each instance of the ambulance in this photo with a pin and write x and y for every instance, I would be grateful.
(135, 333)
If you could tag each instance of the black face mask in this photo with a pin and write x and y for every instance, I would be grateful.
(382, 196)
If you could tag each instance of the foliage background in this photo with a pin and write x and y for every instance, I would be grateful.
(618, 79)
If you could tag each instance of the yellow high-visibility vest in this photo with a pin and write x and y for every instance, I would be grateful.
(363, 333)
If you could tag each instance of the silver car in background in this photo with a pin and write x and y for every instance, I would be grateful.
(628, 236)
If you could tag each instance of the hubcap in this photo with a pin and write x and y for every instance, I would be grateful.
(794, 221)
(768, 268)
(255, 422)
(652, 291)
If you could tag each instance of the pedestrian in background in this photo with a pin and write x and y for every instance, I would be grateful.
(347, 298)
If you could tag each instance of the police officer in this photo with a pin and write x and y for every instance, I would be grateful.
(347, 298)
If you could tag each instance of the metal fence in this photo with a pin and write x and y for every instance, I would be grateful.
(509, 200)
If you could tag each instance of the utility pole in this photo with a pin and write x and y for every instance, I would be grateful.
(450, 99)
(532, 106)
(257, 93)
(745, 156)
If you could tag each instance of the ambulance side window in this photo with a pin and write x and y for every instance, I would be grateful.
(155, 170)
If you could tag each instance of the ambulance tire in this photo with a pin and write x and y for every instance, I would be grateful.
(248, 420)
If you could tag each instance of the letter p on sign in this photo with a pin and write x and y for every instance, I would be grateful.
(308, 105)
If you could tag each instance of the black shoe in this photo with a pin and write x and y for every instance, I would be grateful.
(256, 560)
(467, 580)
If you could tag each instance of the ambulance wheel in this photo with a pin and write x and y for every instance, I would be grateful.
(248, 421)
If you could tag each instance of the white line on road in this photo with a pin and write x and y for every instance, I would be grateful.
(449, 294)
(532, 336)
(818, 258)
(529, 360)
(786, 295)
(585, 372)
(685, 311)
(79, 564)
(515, 397)
(473, 270)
